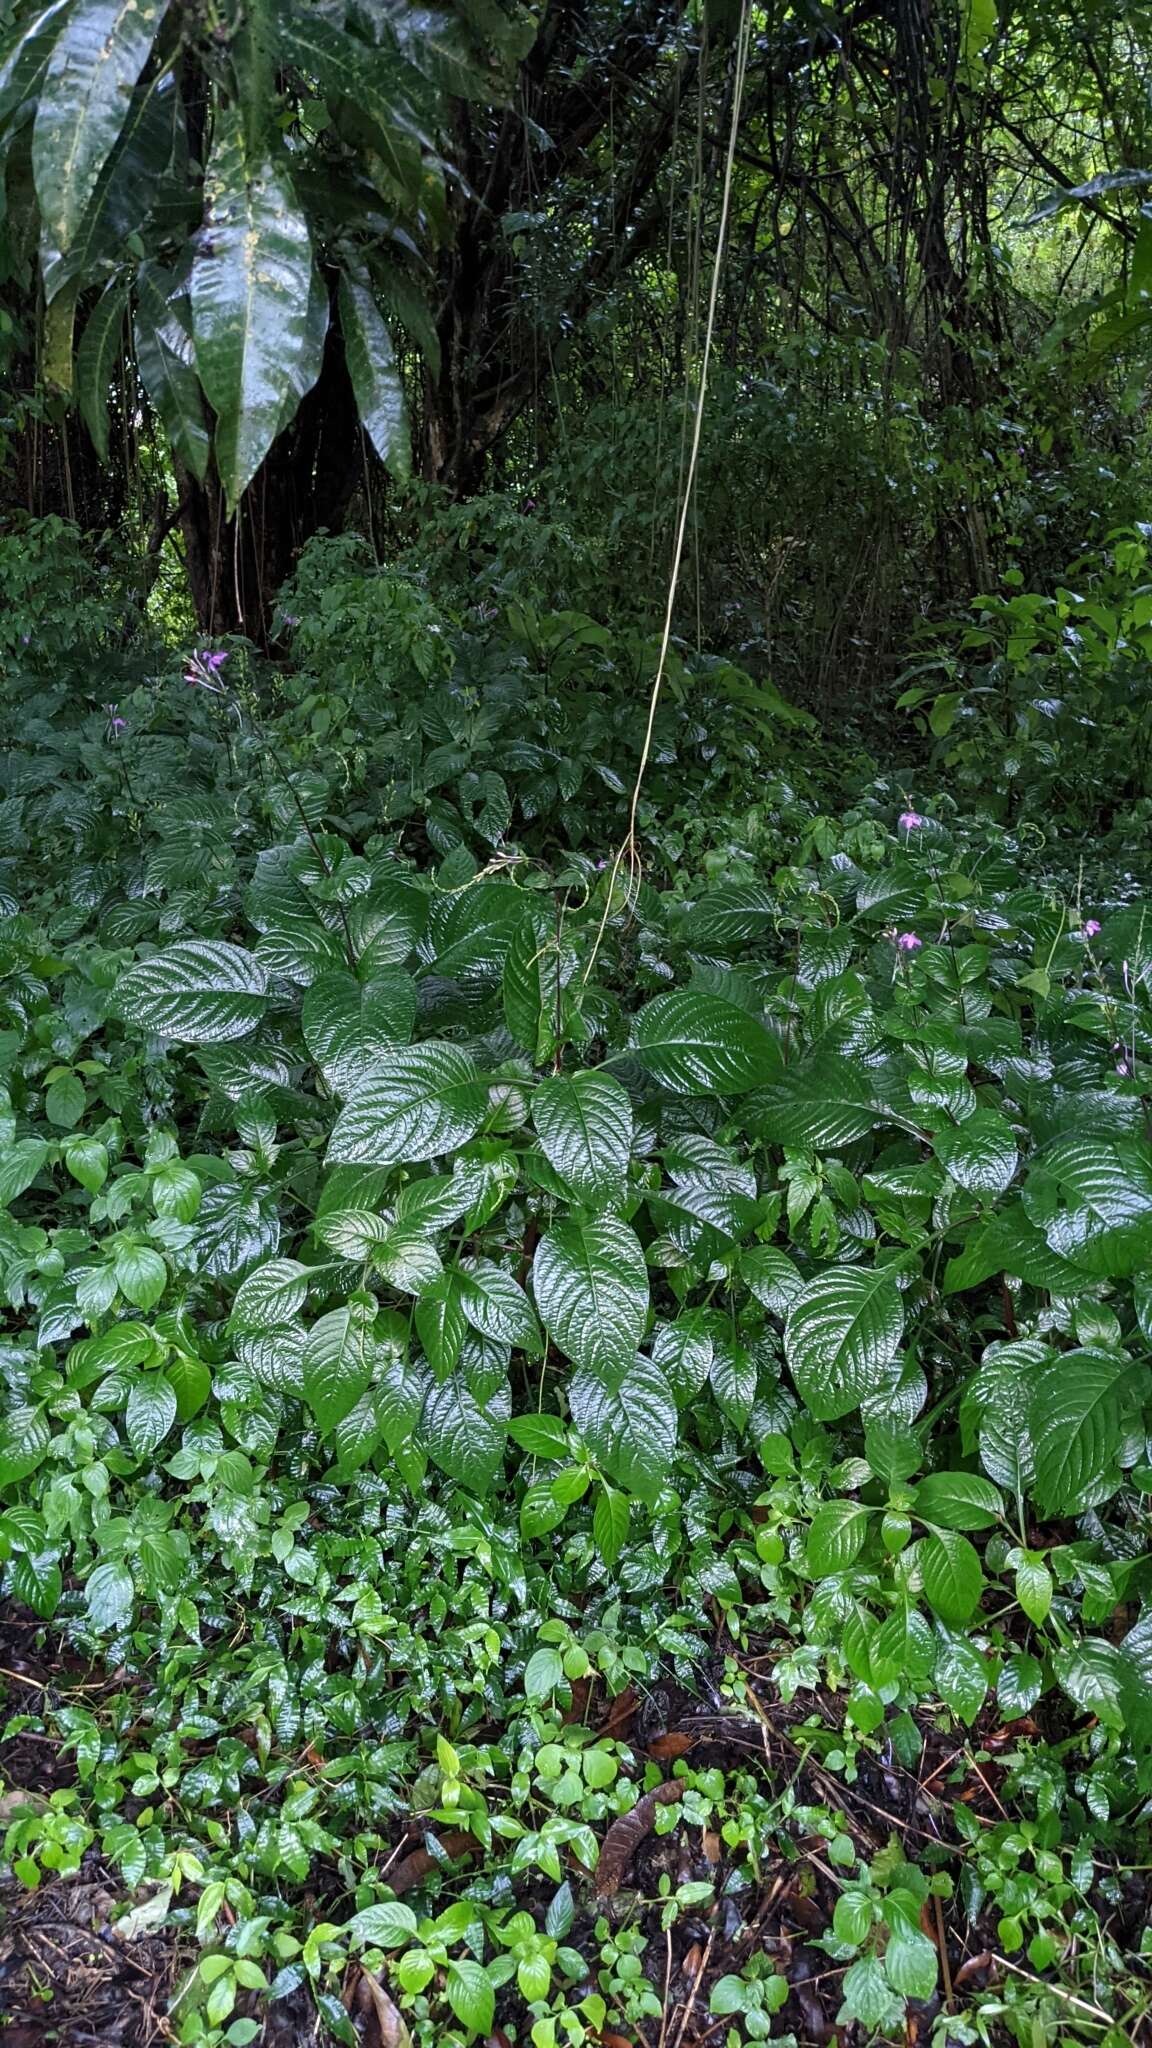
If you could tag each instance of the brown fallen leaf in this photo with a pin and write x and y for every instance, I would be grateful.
(420, 1863)
(626, 1834)
(621, 1712)
(974, 1963)
(666, 1748)
(711, 1845)
(382, 2025)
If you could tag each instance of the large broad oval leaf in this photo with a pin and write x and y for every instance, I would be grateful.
(251, 290)
(1091, 1195)
(702, 1045)
(627, 1418)
(423, 1100)
(1077, 1414)
(737, 914)
(349, 1024)
(463, 1434)
(842, 1332)
(96, 60)
(338, 1361)
(584, 1124)
(822, 1103)
(203, 990)
(591, 1287)
(980, 1153)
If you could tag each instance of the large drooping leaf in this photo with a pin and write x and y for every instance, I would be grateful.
(584, 1124)
(842, 1332)
(1091, 1195)
(96, 360)
(145, 182)
(375, 80)
(204, 990)
(697, 1044)
(310, 361)
(251, 289)
(165, 360)
(591, 1288)
(348, 1024)
(24, 56)
(95, 61)
(419, 1101)
(375, 372)
(1076, 1416)
(627, 1417)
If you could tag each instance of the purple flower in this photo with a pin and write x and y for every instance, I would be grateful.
(116, 724)
(907, 942)
(910, 821)
(1091, 927)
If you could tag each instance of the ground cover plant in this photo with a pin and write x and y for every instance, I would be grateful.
(602, 1434)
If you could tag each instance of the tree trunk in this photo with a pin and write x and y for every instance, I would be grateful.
(304, 485)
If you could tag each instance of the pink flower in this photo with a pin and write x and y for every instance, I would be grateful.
(1091, 927)
(204, 668)
(909, 821)
(907, 942)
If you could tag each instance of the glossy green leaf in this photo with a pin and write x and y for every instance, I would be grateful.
(1091, 1195)
(95, 61)
(414, 1104)
(584, 1124)
(591, 1287)
(375, 372)
(952, 1574)
(463, 1435)
(627, 1418)
(150, 1412)
(496, 1305)
(350, 1025)
(836, 1536)
(842, 1334)
(251, 287)
(979, 1154)
(1076, 1416)
(696, 1044)
(204, 990)
(338, 1360)
(958, 1500)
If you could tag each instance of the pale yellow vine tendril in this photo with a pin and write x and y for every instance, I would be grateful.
(628, 849)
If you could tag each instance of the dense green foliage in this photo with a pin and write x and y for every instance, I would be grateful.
(442, 1273)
